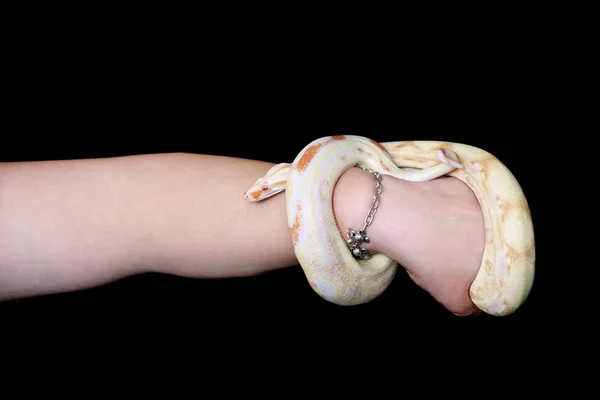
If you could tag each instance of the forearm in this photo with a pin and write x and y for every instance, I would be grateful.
(68, 225)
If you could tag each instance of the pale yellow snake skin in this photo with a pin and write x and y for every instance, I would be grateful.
(507, 269)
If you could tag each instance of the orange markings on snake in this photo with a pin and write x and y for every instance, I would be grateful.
(406, 144)
(489, 235)
(255, 194)
(308, 155)
(338, 137)
(525, 207)
(530, 252)
(378, 145)
(295, 228)
(489, 267)
(513, 254)
(385, 168)
(413, 159)
(443, 145)
(505, 206)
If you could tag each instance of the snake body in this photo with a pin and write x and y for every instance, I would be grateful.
(506, 273)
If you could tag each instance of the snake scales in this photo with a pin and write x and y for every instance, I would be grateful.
(507, 268)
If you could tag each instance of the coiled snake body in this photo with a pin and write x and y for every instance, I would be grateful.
(506, 274)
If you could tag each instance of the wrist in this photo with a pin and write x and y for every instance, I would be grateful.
(399, 213)
(353, 198)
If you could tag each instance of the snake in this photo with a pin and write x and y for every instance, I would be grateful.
(507, 269)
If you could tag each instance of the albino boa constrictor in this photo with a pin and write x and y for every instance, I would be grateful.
(506, 273)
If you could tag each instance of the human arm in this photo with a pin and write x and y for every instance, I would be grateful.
(73, 224)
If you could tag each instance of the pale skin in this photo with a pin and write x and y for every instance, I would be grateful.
(75, 224)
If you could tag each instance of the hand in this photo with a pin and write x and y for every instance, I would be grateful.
(433, 229)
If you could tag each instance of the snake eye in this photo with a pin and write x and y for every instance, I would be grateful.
(264, 188)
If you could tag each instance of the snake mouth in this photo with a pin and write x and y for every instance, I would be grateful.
(255, 196)
(271, 194)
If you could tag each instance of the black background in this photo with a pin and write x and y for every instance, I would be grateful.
(79, 93)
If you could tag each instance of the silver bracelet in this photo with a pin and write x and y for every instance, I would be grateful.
(356, 238)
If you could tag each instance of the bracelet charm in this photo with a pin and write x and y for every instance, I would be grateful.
(357, 238)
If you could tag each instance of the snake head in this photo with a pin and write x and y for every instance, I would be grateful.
(269, 185)
(262, 190)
